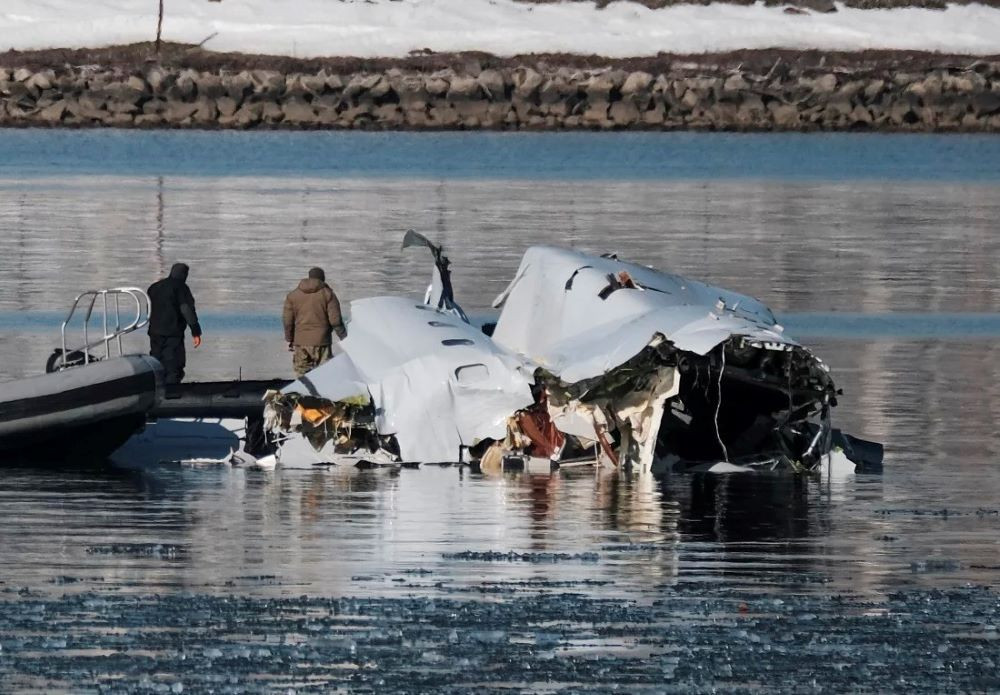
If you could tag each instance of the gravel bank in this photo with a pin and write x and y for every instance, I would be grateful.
(753, 91)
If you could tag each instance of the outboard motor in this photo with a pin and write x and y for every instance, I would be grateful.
(74, 358)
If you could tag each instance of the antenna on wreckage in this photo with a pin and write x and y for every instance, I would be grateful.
(446, 300)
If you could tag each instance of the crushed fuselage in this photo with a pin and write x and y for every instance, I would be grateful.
(591, 359)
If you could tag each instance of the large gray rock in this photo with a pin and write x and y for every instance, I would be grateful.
(268, 83)
(523, 109)
(496, 114)
(374, 86)
(555, 90)
(636, 83)
(298, 112)
(334, 82)
(850, 90)
(68, 83)
(22, 74)
(493, 83)
(47, 98)
(154, 106)
(41, 80)
(326, 114)
(722, 114)
(784, 115)
(211, 86)
(443, 116)
(624, 113)
(986, 103)
(463, 88)
(597, 115)
(655, 115)
(270, 112)
(967, 81)
(227, 106)
(825, 84)
(155, 77)
(238, 86)
(53, 114)
(416, 117)
(388, 115)
(138, 84)
(329, 102)
(85, 108)
(930, 87)
(860, 116)
(874, 90)
(837, 108)
(526, 82)
(902, 112)
(149, 120)
(122, 106)
(206, 112)
(248, 115)
(735, 84)
(557, 109)
(183, 89)
(411, 91)
(472, 112)
(119, 120)
(691, 99)
(314, 84)
(436, 85)
(599, 86)
(177, 111)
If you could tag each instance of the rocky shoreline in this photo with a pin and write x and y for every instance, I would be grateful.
(764, 92)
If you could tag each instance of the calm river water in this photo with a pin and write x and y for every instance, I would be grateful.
(880, 251)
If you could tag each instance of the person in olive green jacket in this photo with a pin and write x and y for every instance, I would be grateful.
(311, 315)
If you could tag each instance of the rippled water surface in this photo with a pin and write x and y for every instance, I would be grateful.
(885, 259)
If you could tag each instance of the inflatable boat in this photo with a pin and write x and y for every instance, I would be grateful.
(81, 413)
(87, 403)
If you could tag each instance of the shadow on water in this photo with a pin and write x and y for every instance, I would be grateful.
(742, 508)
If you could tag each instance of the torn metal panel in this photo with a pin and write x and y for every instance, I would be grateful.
(602, 329)
(554, 313)
(435, 384)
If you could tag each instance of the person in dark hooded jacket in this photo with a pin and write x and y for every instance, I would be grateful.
(311, 315)
(171, 311)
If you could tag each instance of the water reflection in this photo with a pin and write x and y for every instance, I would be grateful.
(805, 246)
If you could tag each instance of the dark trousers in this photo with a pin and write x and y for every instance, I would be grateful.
(169, 350)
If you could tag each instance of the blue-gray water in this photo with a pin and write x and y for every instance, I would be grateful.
(881, 252)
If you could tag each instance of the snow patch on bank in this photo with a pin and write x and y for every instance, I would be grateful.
(394, 28)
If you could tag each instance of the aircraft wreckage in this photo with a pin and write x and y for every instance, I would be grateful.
(590, 360)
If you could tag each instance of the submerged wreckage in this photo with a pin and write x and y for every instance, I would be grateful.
(590, 360)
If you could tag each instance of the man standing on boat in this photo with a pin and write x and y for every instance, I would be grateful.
(311, 315)
(171, 311)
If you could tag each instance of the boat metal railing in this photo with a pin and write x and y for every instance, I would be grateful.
(109, 301)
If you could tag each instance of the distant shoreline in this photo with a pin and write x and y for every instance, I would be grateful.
(755, 90)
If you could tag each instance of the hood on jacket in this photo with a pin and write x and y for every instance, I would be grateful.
(310, 285)
(179, 271)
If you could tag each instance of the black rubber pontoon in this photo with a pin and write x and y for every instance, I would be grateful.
(83, 413)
